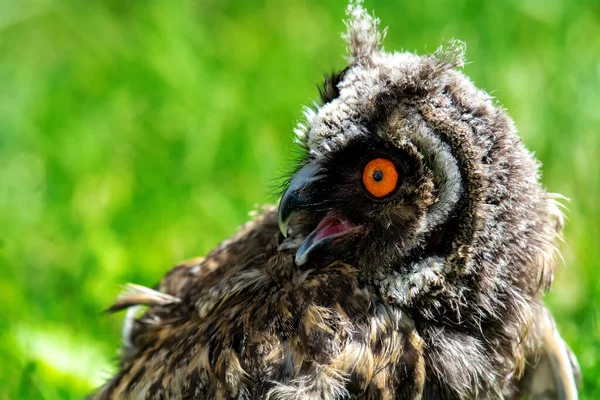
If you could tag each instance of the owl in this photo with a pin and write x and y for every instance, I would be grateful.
(407, 258)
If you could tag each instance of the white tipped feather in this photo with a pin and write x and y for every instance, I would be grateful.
(136, 295)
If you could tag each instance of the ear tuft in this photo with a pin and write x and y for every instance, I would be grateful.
(329, 90)
(451, 55)
(362, 37)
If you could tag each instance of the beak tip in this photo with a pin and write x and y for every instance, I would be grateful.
(283, 225)
(300, 259)
(283, 229)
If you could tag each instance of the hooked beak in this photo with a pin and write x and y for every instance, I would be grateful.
(301, 195)
(298, 195)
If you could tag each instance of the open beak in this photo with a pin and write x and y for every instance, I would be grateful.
(304, 191)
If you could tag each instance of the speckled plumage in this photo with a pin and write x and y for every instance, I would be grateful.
(435, 295)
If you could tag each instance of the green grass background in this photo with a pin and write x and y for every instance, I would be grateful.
(135, 134)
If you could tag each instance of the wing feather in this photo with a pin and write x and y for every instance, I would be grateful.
(556, 373)
(137, 295)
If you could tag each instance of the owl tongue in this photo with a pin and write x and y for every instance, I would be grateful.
(328, 229)
(331, 226)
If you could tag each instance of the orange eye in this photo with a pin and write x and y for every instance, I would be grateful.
(380, 177)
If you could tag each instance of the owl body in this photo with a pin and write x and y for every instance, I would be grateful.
(406, 260)
(260, 327)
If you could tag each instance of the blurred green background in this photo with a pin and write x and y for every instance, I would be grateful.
(135, 134)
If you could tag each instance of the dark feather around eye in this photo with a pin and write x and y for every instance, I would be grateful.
(329, 90)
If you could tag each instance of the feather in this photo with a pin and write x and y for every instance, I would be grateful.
(557, 372)
(136, 295)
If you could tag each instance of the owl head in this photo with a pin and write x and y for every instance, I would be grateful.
(415, 177)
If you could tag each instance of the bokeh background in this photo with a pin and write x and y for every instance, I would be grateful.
(135, 134)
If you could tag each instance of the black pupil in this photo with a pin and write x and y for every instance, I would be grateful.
(377, 176)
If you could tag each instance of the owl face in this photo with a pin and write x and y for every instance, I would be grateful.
(370, 202)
